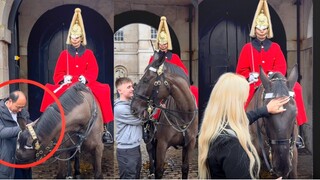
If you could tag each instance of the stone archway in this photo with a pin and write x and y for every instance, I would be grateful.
(144, 17)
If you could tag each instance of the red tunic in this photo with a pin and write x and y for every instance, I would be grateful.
(86, 65)
(271, 58)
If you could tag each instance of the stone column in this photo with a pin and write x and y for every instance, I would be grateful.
(4, 66)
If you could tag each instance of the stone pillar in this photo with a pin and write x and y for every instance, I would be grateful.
(145, 50)
(5, 39)
(4, 66)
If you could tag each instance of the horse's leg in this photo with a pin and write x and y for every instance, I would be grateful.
(160, 156)
(62, 169)
(186, 155)
(97, 161)
(77, 166)
(151, 149)
(69, 169)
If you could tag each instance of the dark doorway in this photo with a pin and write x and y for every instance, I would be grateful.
(144, 17)
(48, 38)
(223, 30)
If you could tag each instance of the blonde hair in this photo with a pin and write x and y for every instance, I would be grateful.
(226, 107)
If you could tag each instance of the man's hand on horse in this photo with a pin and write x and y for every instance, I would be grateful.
(276, 105)
(67, 79)
(82, 79)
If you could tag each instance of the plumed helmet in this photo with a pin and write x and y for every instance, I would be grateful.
(77, 27)
(163, 35)
(262, 19)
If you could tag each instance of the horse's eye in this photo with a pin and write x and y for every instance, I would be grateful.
(145, 80)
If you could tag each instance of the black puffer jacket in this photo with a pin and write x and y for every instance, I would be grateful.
(8, 137)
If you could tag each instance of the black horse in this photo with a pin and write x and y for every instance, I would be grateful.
(178, 121)
(275, 137)
(84, 129)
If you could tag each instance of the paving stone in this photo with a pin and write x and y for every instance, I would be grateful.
(172, 171)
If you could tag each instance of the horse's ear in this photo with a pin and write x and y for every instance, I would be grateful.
(293, 77)
(264, 79)
(158, 58)
(22, 123)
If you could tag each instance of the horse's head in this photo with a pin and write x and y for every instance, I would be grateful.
(27, 144)
(151, 89)
(280, 128)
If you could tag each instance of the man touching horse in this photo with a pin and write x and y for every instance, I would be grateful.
(78, 64)
(129, 132)
(12, 111)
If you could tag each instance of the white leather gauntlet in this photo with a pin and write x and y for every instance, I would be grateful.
(253, 77)
(67, 79)
(82, 79)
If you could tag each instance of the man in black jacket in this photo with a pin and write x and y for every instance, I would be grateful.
(12, 109)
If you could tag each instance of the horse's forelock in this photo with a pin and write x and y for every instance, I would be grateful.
(278, 85)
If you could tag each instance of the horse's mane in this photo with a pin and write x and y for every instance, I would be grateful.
(69, 100)
(279, 87)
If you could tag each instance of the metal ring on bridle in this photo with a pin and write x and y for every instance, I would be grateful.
(157, 83)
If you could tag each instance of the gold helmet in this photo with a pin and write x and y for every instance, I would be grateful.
(262, 19)
(163, 35)
(77, 28)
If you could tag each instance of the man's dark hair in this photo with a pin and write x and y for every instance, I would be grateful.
(14, 96)
(122, 80)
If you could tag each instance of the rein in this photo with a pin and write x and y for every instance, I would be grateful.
(175, 125)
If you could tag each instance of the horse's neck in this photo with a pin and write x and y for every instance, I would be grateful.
(183, 97)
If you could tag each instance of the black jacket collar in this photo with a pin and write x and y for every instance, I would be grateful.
(258, 44)
(169, 55)
(72, 50)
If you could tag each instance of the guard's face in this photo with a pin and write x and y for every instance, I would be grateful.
(75, 41)
(261, 33)
(163, 47)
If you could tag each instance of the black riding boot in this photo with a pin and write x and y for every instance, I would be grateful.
(107, 137)
(300, 142)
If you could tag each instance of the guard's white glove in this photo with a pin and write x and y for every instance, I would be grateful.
(270, 73)
(253, 77)
(82, 79)
(67, 79)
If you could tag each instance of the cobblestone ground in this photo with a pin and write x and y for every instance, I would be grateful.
(173, 164)
(49, 171)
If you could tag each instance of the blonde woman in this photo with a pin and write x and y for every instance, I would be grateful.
(225, 148)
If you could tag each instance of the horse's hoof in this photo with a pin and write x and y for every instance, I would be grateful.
(77, 176)
(151, 176)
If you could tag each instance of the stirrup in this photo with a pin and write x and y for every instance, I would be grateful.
(107, 138)
(300, 142)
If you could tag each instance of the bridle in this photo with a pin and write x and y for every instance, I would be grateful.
(291, 141)
(153, 101)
